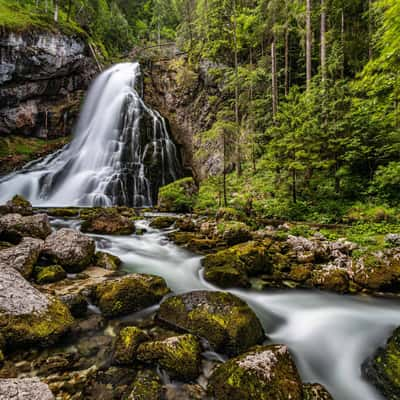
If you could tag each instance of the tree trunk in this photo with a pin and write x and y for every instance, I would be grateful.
(237, 123)
(56, 11)
(274, 80)
(323, 40)
(286, 60)
(343, 44)
(294, 189)
(370, 51)
(308, 45)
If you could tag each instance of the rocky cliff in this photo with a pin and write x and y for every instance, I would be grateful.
(43, 77)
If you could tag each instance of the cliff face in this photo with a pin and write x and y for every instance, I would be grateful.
(189, 100)
(43, 77)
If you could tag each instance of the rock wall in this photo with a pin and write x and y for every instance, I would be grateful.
(43, 77)
(183, 97)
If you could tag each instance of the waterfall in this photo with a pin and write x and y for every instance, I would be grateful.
(120, 155)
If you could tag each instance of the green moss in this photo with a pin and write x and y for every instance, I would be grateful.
(107, 261)
(234, 232)
(162, 222)
(127, 343)
(315, 392)
(178, 196)
(146, 386)
(49, 274)
(179, 355)
(64, 212)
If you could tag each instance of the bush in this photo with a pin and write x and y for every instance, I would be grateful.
(178, 196)
(386, 182)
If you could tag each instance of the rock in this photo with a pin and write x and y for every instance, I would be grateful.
(17, 205)
(178, 355)
(224, 320)
(35, 226)
(178, 196)
(63, 212)
(226, 277)
(234, 232)
(109, 222)
(196, 242)
(335, 280)
(28, 316)
(69, 248)
(185, 224)
(228, 214)
(76, 303)
(128, 340)
(162, 222)
(146, 386)
(49, 274)
(130, 294)
(184, 392)
(22, 257)
(264, 373)
(107, 261)
(393, 239)
(24, 389)
(315, 391)
(382, 369)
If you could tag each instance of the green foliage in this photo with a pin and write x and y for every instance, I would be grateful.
(178, 196)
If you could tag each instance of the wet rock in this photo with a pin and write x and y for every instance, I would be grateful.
(393, 239)
(315, 391)
(24, 389)
(69, 248)
(22, 257)
(184, 392)
(178, 355)
(17, 205)
(234, 232)
(76, 303)
(224, 320)
(162, 222)
(147, 385)
(28, 316)
(264, 373)
(130, 294)
(110, 222)
(335, 280)
(382, 369)
(128, 340)
(49, 274)
(196, 242)
(185, 224)
(35, 226)
(227, 276)
(107, 261)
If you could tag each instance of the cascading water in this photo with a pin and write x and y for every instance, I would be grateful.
(121, 153)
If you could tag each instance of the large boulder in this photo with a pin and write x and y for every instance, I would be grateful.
(163, 222)
(22, 257)
(234, 232)
(49, 274)
(17, 205)
(147, 385)
(383, 368)
(70, 249)
(129, 294)
(226, 321)
(15, 225)
(24, 389)
(178, 355)
(315, 391)
(264, 373)
(28, 316)
(107, 261)
(128, 340)
(109, 223)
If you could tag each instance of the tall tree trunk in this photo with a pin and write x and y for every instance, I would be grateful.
(323, 40)
(286, 60)
(274, 79)
(343, 44)
(224, 170)
(294, 188)
(308, 45)
(252, 127)
(56, 11)
(237, 123)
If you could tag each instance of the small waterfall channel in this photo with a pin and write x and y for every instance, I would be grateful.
(120, 155)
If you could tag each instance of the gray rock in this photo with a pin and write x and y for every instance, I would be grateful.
(22, 257)
(69, 248)
(24, 389)
(393, 239)
(36, 226)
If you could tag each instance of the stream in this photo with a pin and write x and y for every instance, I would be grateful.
(330, 335)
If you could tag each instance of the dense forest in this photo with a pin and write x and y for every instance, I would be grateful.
(308, 106)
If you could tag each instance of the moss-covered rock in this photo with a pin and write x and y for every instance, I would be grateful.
(227, 277)
(226, 321)
(17, 205)
(383, 368)
(108, 222)
(70, 249)
(264, 373)
(162, 222)
(107, 261)
(234, 232)
(128, 340)
(334, 280)
(76, 303)
(63, 212)
(315, 391)
(196, 242)
(49, 274)
(178, 196)
(129, 294)
(146, 386)
(185, 224)
(228, 214)
(178, 355)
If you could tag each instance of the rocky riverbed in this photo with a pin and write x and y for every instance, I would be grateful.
(85, 323)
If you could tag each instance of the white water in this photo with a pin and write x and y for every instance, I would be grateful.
(329, 335)
(120, 155)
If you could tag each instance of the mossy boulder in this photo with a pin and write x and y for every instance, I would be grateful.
(195, 242)
(162, 222)
(383, 368)
(178, 355)
(129, 294)
(226, 321)
(17, 205)
(178, 196)
(69, 248)
(264, 373)
(34, 226)
(334, 280)
(107, 261)
(228, 214)
(49, 274)
(76, 303)
(227, 276)
(63, 212)
(110, 222)
(234, 232)
(147, 385)
(128, 340)
(185, 224)
(315, 391)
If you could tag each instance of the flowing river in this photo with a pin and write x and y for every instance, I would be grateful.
(330, 335)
